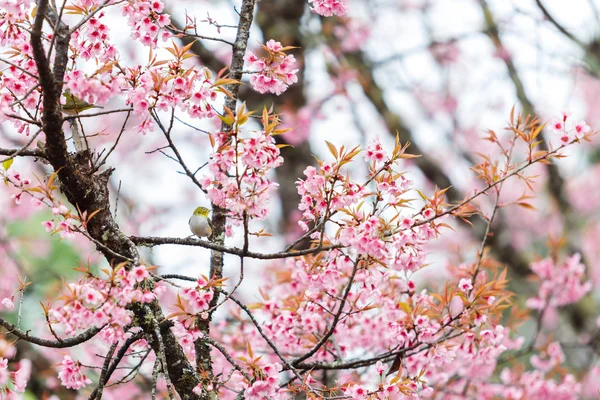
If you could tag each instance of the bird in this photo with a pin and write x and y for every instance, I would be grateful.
(74, 105)
(200, 223)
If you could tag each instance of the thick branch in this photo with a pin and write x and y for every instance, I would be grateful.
(23, 153)
(88, 190)
(56, 344)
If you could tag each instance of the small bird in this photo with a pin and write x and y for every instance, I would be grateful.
(74, 105)
(200, 224)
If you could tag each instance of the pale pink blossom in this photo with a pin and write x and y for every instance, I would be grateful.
(328, 8)
(71, 375)
(8, 302)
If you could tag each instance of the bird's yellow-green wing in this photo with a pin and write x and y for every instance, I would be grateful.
(74, 105)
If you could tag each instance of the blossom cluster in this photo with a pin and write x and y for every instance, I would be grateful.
(13, 382)
(266, 384)
(101, 303)
(186, 335)
(92, 40)
(18, 78)
(161, 89)
(147, 21)
(275, 72)
(15, 179)
(328, 8)
(239, 170)
(395, 240)
(352, 35)
(62, 222)
(71, 376)
(98, 90)
(193, 302)
(561, 284)
(578, 131)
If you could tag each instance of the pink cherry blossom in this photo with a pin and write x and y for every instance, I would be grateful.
(8, 302)
(71, 375)
(275, 72)
(581, 129)
(465, 285)
(328, 8)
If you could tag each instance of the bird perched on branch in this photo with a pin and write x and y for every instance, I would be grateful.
(200, 224)
(74, 105)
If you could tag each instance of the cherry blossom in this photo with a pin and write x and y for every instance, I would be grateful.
(328, 8)
(275, 72)
(71, 375)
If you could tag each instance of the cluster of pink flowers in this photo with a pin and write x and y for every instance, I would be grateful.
(560, 284)
(163, 89)
(360, 392)
(15, 85)
(19, 182)
(239, 174)
(98, 90)
(71, 375)
(559, 125)
(13, 12)
(93, 41)
(299, 123)
(323, 191)
(186, 335)
(328, 8)
(62, 222)
(102, 303)
(275, 72)
(380, 248)
(266, 385)
(147, 21)
(196, 300)
(16, 94)
(375, 153)
(533, 385)
(352, 34)
(395, 241)
(15, 82)
(403, 321)
(13, 382)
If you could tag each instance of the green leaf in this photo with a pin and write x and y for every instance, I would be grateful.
(6, 164)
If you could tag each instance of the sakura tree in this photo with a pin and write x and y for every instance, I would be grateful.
(118, 117)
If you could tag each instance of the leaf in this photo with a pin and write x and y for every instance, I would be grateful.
(526, 205)
(250, 352)
(226, 119)
(282, 145)
(175, 314)
(445, 225)
(332, 149)
(404, 306)
(512, 115)
(226, 81)
(6, 164)
(537, 131)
